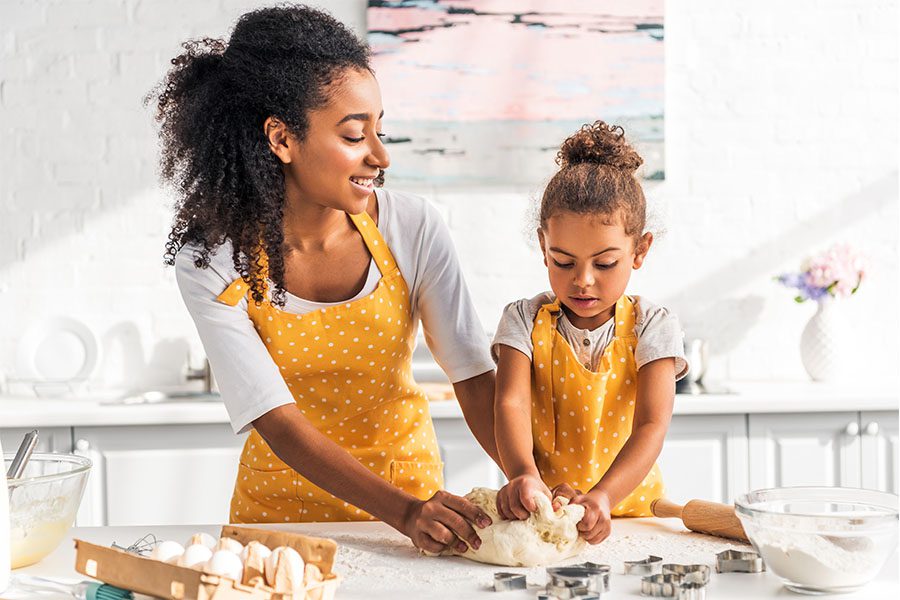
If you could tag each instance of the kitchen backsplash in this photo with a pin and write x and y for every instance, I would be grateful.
(781, 127)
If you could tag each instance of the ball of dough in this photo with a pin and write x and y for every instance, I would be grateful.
(544, 538)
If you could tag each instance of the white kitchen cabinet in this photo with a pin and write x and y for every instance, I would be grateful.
(880, 450)
(705, 456)
(466, 464)
(793, 449)
(166, 474)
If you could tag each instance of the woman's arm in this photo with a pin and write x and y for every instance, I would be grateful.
(476, 398)
(432, 525)
(512, 414)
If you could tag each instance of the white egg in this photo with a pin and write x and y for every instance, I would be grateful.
(284, 570)
(194, 556)
(230, 544)
(226, 564)
(261, 549)
(167, 551)
(202, 538)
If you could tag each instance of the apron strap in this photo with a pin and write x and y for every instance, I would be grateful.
(542, 367)
(233, 294)
(375, 243)
(624, 317)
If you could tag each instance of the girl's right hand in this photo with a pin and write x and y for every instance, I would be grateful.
(442, 521)
(515, 500)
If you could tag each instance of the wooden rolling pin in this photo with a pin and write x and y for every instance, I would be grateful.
(702, 516)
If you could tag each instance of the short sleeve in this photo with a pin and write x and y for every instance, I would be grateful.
(514, 330)
(248, 378)
(659, 336)
(452, 329)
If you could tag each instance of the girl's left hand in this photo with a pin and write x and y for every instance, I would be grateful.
(596, 524)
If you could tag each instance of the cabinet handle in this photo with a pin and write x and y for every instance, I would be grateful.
(82, 445)
(852, 428)
(872, 429)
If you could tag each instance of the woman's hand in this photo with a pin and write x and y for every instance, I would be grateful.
(442, 521)
(515, 500)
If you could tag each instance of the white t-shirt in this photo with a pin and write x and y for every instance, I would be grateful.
(658, 332)
(250, 382)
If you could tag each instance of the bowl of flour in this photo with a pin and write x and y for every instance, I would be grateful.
(821, 539)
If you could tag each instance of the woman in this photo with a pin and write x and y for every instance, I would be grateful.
(306, 282)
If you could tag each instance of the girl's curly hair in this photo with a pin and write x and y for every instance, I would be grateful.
(211, 106)
(596, 176)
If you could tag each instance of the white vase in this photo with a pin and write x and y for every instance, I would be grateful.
(823, 344)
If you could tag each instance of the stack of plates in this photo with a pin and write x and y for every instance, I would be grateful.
(56, 355)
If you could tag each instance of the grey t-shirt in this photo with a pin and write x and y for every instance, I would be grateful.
(658, 332)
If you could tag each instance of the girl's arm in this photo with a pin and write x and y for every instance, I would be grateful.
(431, 524)
(476, 398)
(512, 416)
(652, 414)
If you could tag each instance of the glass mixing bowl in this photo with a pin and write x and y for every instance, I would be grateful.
(43, 503)
(821, 539)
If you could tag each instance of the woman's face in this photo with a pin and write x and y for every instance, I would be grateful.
(335, 165)
(589, 261)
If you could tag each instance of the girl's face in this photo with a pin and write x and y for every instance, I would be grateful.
(589, 261)
(335, 165)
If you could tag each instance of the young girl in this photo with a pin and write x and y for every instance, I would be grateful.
(586, 374)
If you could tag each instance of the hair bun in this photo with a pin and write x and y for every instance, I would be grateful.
(600, 144)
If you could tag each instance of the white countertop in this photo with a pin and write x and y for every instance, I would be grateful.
(377, 562)
(756, 397)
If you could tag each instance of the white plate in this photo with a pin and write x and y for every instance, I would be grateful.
(59, 349)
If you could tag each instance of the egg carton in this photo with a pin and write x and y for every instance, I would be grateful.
(163, 580)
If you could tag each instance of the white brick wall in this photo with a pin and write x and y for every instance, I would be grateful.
(781, 138)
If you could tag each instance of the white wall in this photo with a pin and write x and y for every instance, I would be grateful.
(782, 136)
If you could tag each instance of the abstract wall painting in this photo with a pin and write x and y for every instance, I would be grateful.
(480, 93)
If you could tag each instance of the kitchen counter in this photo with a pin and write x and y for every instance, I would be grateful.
(747, 397)
(376, 562)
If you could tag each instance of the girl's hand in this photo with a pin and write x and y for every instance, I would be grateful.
(596, 524)
(564, 490)
(515, 500)
(442, 521)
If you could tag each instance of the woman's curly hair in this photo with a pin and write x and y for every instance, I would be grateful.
(596, 176)
(211, 106)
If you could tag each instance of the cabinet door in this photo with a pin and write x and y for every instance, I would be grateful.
(794, 449)
(880, 450)
(466, 464)
(159, 474)
(705, 456)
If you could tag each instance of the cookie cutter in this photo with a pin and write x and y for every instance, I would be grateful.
(661, 586)
(739, 561)
(648, 566)
(505, 582)
(691, 590)
(675, 585)
(698, 573)
(580, 581)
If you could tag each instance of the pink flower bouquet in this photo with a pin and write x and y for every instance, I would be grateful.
(836, 272)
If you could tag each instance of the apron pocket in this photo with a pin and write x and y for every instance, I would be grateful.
(421, 479)
(266, 496)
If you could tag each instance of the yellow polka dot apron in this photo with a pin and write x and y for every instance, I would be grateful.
(350, 371)
(581, 418)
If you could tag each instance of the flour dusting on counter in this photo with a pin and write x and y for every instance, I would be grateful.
(388, 561)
